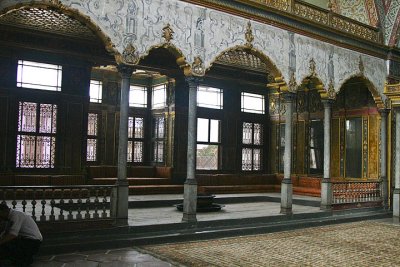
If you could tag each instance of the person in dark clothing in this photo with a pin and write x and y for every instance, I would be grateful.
(20, 239)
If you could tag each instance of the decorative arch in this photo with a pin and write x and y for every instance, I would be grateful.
(371, 88)
(58, 6)
(173, 50)
(270, 65)
(317, 83)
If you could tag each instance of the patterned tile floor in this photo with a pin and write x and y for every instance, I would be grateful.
(367, 243)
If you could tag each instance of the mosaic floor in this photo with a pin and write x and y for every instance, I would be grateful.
(367, 243)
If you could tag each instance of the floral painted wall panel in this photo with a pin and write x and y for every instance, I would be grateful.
(207, 33)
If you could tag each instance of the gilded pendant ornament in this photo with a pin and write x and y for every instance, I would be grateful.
(198, 67)
(249, 35)
(331, 94)
(130, 55)
(292, 83)
(168, 33)
(312, 68)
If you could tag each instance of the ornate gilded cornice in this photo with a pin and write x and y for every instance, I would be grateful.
(392, 91)
(337, 29)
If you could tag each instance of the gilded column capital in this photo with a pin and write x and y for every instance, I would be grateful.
(384, 112)
(288, 97)
(327, 103)
(193, 81)
(125, 70)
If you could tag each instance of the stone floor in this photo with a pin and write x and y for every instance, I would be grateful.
(166, 215)
(108, 258)
(366, 243)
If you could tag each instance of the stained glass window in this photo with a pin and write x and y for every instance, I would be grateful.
(138, 96)
(253, 103)
(209, 97)
(41, 76)
(159, 96)
(95, 91)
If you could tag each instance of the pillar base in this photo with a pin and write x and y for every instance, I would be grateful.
(286, 196)
(119, 202)
(396, 202)
(190, 201)
(384, 192)
(326, 194)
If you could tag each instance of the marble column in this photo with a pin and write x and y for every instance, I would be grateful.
(326, 185)
(286, 185)
(190, 186)
(396, 192)
(383, 167)
(121, 191)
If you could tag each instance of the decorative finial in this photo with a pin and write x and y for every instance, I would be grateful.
(332, 5)
(313, 72)
(197, 67)
(168, 33)
(249, 35)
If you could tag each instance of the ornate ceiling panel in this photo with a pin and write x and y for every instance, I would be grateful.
(47, 21)
(242, 59)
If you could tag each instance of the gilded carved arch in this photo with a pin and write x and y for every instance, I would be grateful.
(236, 53)
(371, 88)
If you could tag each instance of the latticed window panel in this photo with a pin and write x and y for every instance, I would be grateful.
(27, 117)
(135, 139)
(207, 157)
(135, 151)
(139, 128)
(247, 133)
(36, 141)
(48, 118)
(92, 137)
(158, 151)
(257, 134)
(252, 146)
(251, 159)
(35, 151)
(159, 127)
(91, 150)
(92, 124)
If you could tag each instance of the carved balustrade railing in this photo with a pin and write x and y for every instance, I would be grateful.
(324, 17)
(60, 203)
(356, 192)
